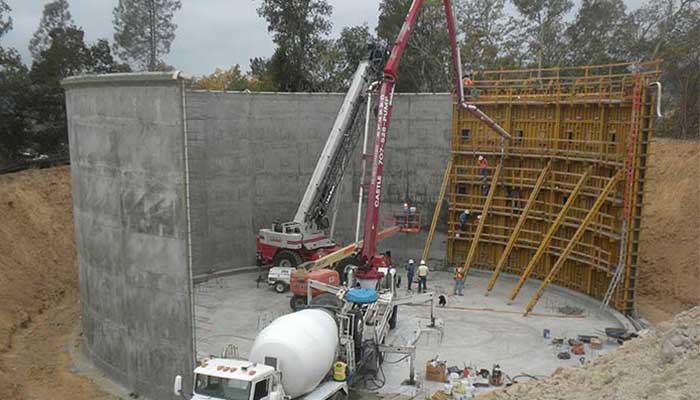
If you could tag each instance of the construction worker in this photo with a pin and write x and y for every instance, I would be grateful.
(459, 281)
(467, 81)
(423, 277)
(463, 219)
(483, 167)
(410, 272)
(484, 172)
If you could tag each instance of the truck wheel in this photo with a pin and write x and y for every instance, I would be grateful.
(297, 302)
(394, 317)
(342, 264)
(280, 287)
(286, 258)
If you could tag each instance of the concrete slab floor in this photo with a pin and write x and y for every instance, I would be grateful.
(478, 331)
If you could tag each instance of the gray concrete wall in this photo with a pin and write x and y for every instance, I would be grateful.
(128, 174)
(252, 154)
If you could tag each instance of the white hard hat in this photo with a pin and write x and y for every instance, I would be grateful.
(422, 262)
(481, 158)
(466, 211)
(410, 261)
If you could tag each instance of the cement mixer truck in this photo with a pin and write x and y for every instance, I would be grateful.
(294, 356)
(290, 358)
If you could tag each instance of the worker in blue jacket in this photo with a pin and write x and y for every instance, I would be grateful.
(410, 272)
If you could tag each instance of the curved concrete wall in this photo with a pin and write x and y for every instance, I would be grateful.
(252, 155)
(127, 166)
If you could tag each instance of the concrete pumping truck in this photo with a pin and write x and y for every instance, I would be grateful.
(297, 355)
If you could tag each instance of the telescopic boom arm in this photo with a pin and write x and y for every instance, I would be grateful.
(385, 106)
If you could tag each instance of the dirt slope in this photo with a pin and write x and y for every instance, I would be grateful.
(669, 275)
(38, 288)
(661, 364)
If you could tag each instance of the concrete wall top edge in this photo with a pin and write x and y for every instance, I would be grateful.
(307, 93)
(124, 78)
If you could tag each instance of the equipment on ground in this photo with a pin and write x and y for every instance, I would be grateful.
(496, 378)
(279, 278)
(341, 333)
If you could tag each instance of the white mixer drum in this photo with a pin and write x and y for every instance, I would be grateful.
(304, 344)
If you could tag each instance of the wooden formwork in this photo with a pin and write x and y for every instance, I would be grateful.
(572, 121)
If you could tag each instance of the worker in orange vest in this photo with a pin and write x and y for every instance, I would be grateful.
(483, 167)
(467, 81)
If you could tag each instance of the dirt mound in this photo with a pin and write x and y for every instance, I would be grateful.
(669, 273)
(38, 287)
(661, 364)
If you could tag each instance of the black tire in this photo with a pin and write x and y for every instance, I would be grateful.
(393, 318)
(286, 258)
(280, 287)
(342, 264)
(297, 302)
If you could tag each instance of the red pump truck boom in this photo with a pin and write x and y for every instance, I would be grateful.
(368, 256)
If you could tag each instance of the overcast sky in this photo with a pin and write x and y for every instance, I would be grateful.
(210, 34)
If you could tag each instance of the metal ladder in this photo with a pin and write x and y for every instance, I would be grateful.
(629, 183)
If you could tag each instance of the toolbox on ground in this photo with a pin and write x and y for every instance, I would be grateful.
(436, 371)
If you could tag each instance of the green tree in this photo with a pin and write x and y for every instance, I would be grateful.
(55, 16)
(353, 46)
(14, 101)
(102, 61)
(14, 86)
(298, 28)
(594, 36)
(5, 21)
(260, 77)
(670, 30)
(426, 65)
(489, 41)
(542, 23)
(328, 74)
(144, 31)
(231, 79)
(68, 55)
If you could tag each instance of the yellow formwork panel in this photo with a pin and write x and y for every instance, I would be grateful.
(575, 119)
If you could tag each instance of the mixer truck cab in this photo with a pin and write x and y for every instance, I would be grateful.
(229, 379)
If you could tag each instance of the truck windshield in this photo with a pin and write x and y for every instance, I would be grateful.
(222, 388)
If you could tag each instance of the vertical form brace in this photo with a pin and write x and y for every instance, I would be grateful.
(516, 231)
(574, 240)
(550, 233)
(438, 208)
(627, 199)
(482, 220)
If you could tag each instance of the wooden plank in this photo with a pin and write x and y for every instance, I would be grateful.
(521, 222)
(436, 212)
(550, 233)
(574, 240)
(482, 220)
